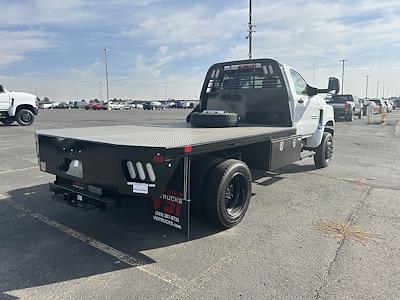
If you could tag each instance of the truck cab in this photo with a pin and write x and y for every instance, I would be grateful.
(17, 106)
(264, 91)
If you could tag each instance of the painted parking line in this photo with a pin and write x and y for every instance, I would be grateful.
(150, 269)
(18, 147)
(18, 170)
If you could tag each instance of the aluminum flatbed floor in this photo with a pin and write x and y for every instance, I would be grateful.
(171, 136)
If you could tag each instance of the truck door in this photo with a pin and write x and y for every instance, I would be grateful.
(4, 99)
(305, 112)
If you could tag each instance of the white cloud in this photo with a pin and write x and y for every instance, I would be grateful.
(16, 44)
(175, 41)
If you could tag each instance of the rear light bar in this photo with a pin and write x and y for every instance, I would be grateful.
(137, 170)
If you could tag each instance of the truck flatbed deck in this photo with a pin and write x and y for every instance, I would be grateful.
(171, 136)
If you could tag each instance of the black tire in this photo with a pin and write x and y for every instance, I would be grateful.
(348, 117)
(199, 170)
(324, 152)
(7, 121)
(359, 115)
(227, 193)
(216, 120)
(25, 117)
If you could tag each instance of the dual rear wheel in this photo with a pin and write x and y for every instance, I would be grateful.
(224, 195)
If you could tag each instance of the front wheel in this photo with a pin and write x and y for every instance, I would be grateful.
(228, 191)
(25, 117)
(7, 121)
(324, 152)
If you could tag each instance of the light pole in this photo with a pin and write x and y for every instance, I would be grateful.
(250, 31)
(377, 88)
(366, 88)
(105, 60)
(383, 92)
(343, 61)
(165, 92)
(313, 72)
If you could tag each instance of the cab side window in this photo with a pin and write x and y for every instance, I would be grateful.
(300, 84)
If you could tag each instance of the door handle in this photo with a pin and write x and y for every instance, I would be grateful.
(300, 101)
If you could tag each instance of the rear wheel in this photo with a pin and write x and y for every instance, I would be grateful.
(359, 114)
(324, 152)
(228, 192)
(7, 121)
(200, 169)
(25, 117)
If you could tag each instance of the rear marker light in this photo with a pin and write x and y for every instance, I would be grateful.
(140, 170)
(187, 149)
(131, 169)
(159, 158)
(150, 171)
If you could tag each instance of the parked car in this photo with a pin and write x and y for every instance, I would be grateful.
(152, 105)
(381, 104)
(129, 106)
(99, 106)
(373, 106)
(63, 105)
(346, 106)
(115, 106)
(396, 103)
(47, 105)
(89, 106)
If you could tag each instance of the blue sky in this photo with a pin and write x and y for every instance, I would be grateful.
(54, 47)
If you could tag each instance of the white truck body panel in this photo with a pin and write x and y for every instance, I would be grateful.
(306, 111)
(9, 101)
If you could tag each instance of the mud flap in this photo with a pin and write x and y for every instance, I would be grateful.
(173, 206)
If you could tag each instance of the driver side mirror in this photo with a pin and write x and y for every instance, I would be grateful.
(333, 85)
(1, 89)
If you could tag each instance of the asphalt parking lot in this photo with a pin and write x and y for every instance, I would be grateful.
(49, 250)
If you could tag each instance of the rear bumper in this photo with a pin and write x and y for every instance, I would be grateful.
(81, 198)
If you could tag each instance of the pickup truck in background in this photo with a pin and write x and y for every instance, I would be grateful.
(253, 114)
(346, 106)
(17, 106)
(152, 105)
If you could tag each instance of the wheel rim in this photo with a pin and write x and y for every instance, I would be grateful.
(26, 117)
(328, 150)
(235, 195)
